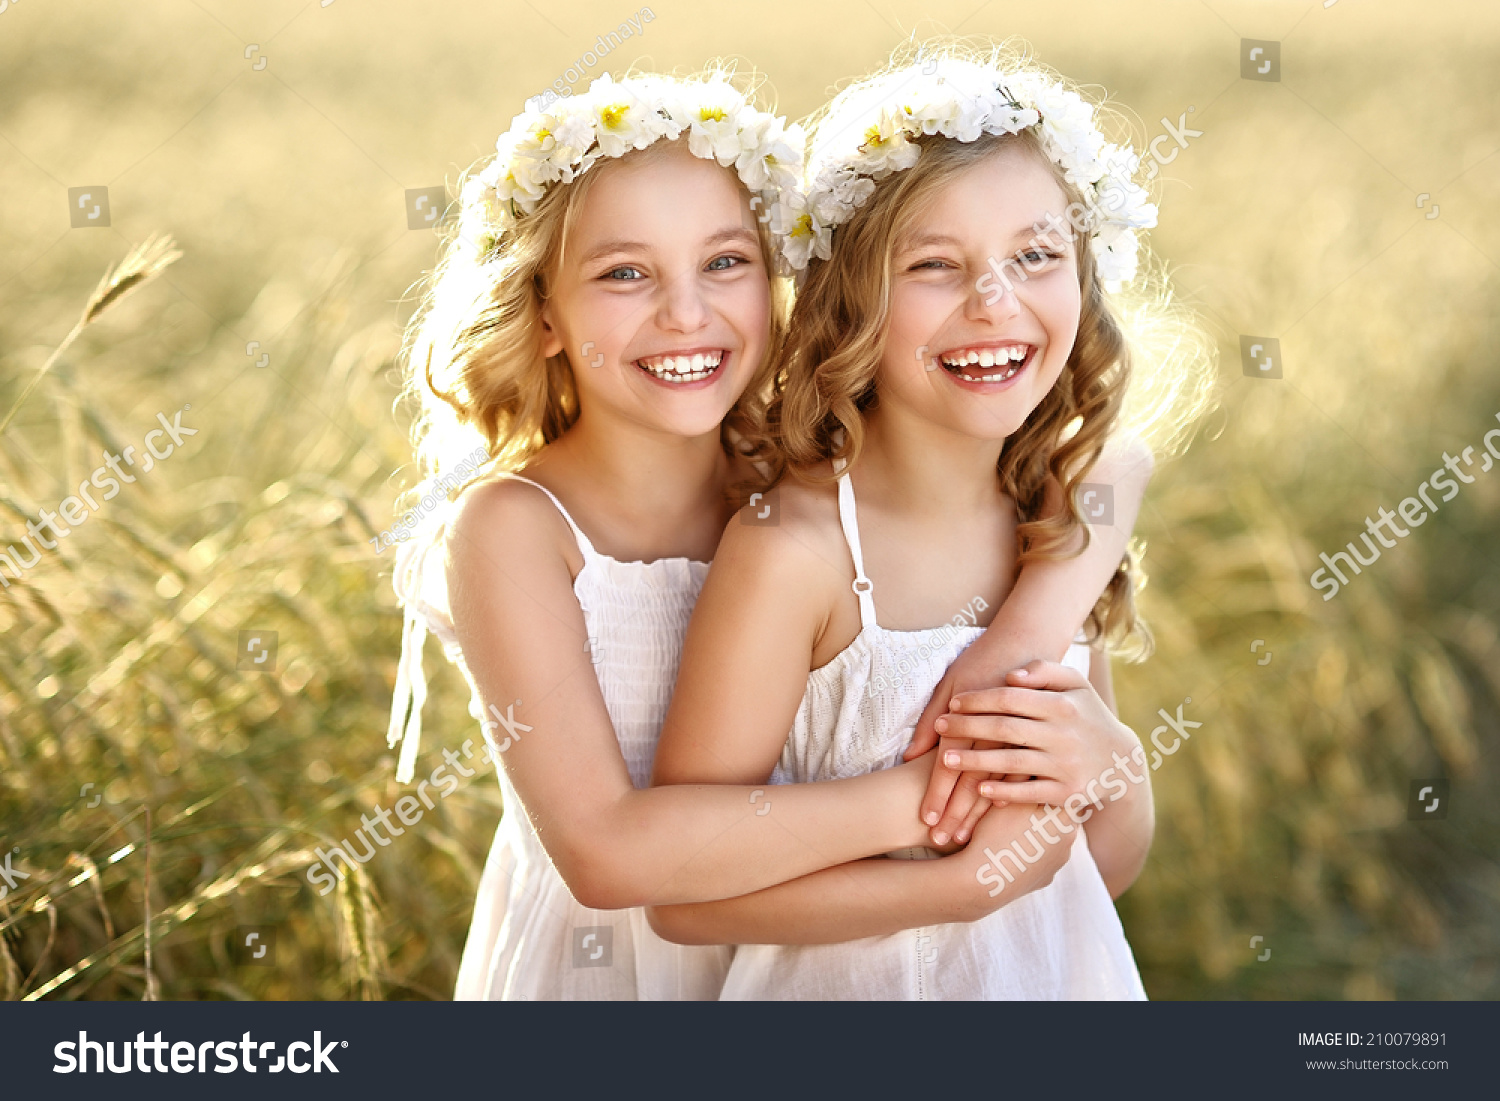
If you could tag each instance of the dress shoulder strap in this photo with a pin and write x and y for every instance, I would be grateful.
(583, 540)
(849, 521)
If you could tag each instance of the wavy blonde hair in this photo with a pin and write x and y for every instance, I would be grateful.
(825, 379)
(472, 356)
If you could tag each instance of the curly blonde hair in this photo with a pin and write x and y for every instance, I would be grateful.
(472, 356)
(825, 379)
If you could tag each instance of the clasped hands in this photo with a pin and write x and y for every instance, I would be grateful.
(1039, 739)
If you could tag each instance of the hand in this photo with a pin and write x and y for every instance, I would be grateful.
(915, 780)
(991, 880)
(952, 804)
(1055, 731)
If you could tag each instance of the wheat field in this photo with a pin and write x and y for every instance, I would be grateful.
(160, 801)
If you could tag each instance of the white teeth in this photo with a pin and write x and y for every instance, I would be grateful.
(683, 368)
(999, 376)
(988, 357)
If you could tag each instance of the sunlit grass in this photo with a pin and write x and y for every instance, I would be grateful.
(1284, 818)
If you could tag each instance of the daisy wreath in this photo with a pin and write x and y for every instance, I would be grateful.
(871, 131)
(563, 140)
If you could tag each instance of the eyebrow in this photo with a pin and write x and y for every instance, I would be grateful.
(620, 244)
(922, 240)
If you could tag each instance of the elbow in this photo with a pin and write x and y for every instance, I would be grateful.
(672, 923)
(597, 893)
(597, 889)
(595, 880)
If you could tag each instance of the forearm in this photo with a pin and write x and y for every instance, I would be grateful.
(699, 842)
(1052, 597)
(866, 898)
(1120, 833)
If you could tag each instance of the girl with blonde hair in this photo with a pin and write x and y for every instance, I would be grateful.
(602, 320)
(963, 350)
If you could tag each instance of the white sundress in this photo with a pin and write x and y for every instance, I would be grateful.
(529, 938)
(858, 714)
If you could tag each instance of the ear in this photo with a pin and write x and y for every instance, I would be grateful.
(552, 341)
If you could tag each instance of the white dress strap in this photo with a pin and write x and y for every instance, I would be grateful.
(863, 588)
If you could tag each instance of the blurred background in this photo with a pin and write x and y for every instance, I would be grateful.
(1339, 200)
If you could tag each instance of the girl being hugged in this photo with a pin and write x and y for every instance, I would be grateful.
(601, 313)
(953, 372)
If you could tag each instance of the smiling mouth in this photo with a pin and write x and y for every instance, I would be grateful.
(683, 368)
(990, 363)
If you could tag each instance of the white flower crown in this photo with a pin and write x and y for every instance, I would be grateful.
(870, 132)
(558, 140)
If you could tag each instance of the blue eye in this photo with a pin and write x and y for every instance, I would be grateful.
(929, 265)
(726, 262)
(617, 276)
(1041, 256)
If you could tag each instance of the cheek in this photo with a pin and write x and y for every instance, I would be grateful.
(748, 309)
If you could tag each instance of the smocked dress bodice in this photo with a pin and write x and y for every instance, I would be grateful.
(529, 937)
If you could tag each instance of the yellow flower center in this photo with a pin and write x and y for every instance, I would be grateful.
(542, 133)
(872, 136)
(711, 114)
(802, 227)
(613, 115)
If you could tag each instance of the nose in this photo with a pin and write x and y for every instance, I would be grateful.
(681, 307)
(995, 298)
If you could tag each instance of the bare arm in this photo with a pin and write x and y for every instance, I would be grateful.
(522, 633)
(1120, 839)
(865, 898)
(743, 674)
(1037, 621)
(1061, 745)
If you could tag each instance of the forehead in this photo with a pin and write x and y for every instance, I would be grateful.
(660, 187)
(1009, 190)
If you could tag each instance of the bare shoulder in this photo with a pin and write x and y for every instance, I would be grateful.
(504, 523)
(793, 531)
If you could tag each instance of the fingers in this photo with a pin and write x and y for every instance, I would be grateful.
(940, 787)
(1049, 676)
(1028, 762)
(981, 806)
(1048, 792)
(960, 805)
(1026, 703)
(1006, 729)
(926, 734)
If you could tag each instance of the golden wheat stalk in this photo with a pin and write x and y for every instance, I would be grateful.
(145, 262)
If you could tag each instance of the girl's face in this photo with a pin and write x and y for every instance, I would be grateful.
(662, 301)
(984, 308)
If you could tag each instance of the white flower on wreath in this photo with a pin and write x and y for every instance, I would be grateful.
(770, 155)
(557, 140)
(799, 231)
(873, 132)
